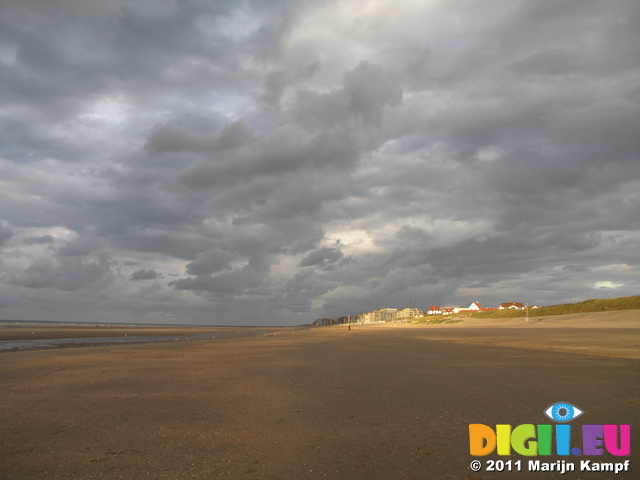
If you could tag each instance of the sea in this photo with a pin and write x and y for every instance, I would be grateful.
(43, 344)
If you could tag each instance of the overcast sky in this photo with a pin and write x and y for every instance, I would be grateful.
(274, 162)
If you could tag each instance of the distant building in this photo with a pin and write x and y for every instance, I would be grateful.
(434, 310)
(366, 317)
(385, 315)
(331, 321)
(511, 306)
(408, 313)
(474, 307)
(324, 321)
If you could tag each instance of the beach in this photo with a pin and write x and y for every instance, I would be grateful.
(372, 402)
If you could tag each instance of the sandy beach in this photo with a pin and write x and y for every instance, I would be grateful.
(373, 402)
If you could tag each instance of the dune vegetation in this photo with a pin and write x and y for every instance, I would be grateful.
(593, 305)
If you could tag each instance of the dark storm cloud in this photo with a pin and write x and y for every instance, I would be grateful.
(369, 88)
(65, 273)
(336, 142)
(144, 275)
(174, 138)
(283, 161)
(210, 261)
(35, 239)
(80, 246)
(5, 233)
(78, 264)
(246, 280)
(325, 258)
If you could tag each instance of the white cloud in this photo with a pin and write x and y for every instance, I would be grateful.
(607, 285)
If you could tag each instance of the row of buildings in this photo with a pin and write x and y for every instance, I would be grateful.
(474, 307)
(377, 316)
(402, 315)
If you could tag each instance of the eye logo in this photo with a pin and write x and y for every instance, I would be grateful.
(563, 412)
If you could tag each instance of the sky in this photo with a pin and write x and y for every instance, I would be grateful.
(271, 162)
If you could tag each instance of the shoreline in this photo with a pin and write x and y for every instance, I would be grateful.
(61, 332)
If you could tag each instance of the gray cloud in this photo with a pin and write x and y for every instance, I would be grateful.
(65, 273)
(5, 234)
(210, 261)
(144, 275)
(36, 239)
(369, 88)
(283, 161)
(325, 258)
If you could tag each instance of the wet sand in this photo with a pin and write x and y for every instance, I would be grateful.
(371, 403)
(56, 332)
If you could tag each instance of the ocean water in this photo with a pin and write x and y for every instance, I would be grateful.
(41, 344)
